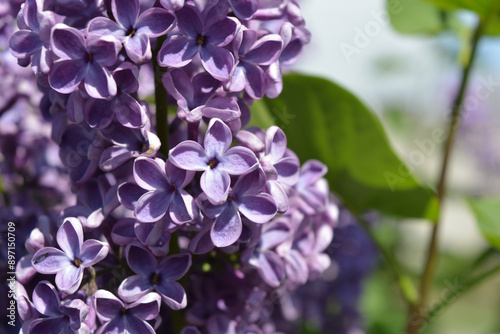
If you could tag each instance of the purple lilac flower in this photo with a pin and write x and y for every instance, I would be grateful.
(127, 144)
(198, 97)
(216, 160)
(34, 39)
(99, 113)
(253, 52)
(132, 29)
(118, 317)
(83, 59)
(164, 183)
(200, 34)
(245, 198)
(76, 255)
(60, 317)
(152, 275)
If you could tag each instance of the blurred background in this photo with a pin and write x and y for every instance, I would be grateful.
(410, 81)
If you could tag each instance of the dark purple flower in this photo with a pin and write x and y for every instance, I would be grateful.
(311, 188)
(34, 41)
(263, 255)
(118, 317)
(132, 29)
(152, 275)
(99, 113)
(253, 52)
(217, 160)
(197, 98)
(127, 144)
(164, 183)
(204, 35)
(83, 59)
(61, 317)
(245, 199)
(76, 255)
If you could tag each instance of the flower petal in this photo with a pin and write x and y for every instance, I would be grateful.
(93, 251)
(217, 61)
(244, 9)
(125, 12)
(226, 228)
(46, 300)
(104, 49)
(24, 43)
(215, 183)
(140, 260)
(154, 22)
(66, 75)
(70, 237)
(147, 307)
(68, 42)
(134, 287)
(138, 48)
(50, 260)
(218, 138)
(189, 21)
(238, 161)
(99, 112)
(152, 206)
(177, 51)
(173, 295)
(103, 26)
(129, 111)
(174, 267)
(149, 175)
(129, 194)
(189, 155)
(68, 279)
(99, 83)
(106, 305)
(258, 208)
(183, 208)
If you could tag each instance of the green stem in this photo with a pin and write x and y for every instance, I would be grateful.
(433, 313)
(405, 284)
(416, 318)
(161, 101)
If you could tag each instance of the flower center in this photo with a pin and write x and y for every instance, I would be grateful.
(78, 262)
(200, 40)
(131, 32)
(91, 56)
(213, 163)
(123, 310)
(155, 279)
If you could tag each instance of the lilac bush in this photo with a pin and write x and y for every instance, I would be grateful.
(219, 222)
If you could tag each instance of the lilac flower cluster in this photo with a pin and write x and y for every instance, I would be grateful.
(222, 221)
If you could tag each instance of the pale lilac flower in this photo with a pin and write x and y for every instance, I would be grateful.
(164, 183)
(198, 97)
(35, 40)
(76, 255)
(200, 34)
(252, 53)
(132, 29)
(83, 59)
(216, 160)
(118, 317)
(245, 199)
(152, 275)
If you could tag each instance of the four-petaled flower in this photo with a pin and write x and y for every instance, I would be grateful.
(217, 160)
(118, 317)
(164, 183)
(83, 59)
(132, 29)
(200, 33)
(152, 275)
(76, 255)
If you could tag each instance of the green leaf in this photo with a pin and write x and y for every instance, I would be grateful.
(487, 213)
(416, 17)
(324, 121)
